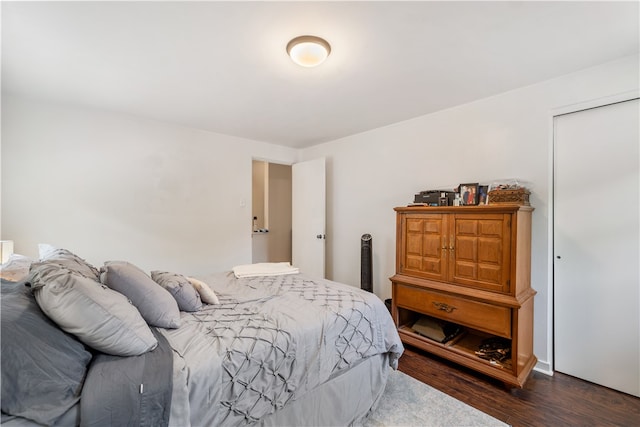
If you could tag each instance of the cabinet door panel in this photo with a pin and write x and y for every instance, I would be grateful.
(413, 249)
(414, 225)
(489, 273)
(466, 249)
(466, 227)
(422, 254)
(467, 270)
(490, 250)
(481, 252)
(414, 241)
(490, 228)
(432, 254)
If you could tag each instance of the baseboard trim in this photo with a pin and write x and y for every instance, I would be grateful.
(543, 368)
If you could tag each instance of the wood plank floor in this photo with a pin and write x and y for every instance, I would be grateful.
(559, 400)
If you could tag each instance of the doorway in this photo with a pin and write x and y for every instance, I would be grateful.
(271, 212)
(596, 245)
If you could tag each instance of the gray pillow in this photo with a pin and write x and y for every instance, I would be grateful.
(180, 288)
(156, 304)
(69, 260)
(100, 317)
(43, 368)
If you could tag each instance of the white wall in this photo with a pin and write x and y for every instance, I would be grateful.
(108, 186)
(499, 137)
(162, 196)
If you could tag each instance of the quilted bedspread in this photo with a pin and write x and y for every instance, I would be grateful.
(269, 341)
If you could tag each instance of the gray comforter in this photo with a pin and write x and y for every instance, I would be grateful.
(270, 341)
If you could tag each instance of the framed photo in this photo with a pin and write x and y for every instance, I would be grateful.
(483, 192)
(469, 194)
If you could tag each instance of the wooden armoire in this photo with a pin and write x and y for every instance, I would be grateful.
(469, 266)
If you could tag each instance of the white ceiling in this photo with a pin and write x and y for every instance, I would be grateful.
(222, 66)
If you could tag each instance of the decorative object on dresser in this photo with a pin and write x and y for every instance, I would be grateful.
(509, 191)
(434, 198)
(471, 266)
(468, 194)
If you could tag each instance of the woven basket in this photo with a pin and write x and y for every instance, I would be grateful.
(518, 196)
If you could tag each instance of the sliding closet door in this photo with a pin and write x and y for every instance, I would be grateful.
(596, 245)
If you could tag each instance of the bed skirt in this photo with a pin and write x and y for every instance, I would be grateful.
(345, 400)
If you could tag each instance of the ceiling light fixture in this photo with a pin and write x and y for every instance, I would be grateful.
(308, 51)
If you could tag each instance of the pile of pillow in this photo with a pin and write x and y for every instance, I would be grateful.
(109, 310)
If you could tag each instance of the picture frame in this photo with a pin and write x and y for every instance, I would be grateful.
(469, 194)
(483, 194)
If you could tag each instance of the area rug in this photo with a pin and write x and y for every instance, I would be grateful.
(409, 402)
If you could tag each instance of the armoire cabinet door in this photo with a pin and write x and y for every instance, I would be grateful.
(467, 249)
(481, 251)
(423, 254)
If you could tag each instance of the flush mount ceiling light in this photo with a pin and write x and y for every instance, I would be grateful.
(308, 51)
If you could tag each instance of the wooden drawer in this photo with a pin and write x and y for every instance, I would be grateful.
(474, 314)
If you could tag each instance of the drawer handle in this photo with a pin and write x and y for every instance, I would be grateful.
(444, 307)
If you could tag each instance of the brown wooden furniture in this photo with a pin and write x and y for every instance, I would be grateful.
(469, 265)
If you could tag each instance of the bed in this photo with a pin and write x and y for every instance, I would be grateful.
(281, 349)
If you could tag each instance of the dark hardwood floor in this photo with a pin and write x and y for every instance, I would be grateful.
(558, 400)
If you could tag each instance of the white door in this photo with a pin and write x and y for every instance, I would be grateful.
(308, 217)
(596, 245)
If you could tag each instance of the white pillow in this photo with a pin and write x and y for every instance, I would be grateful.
(100, 317)
(45, 250)
(206, 293)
